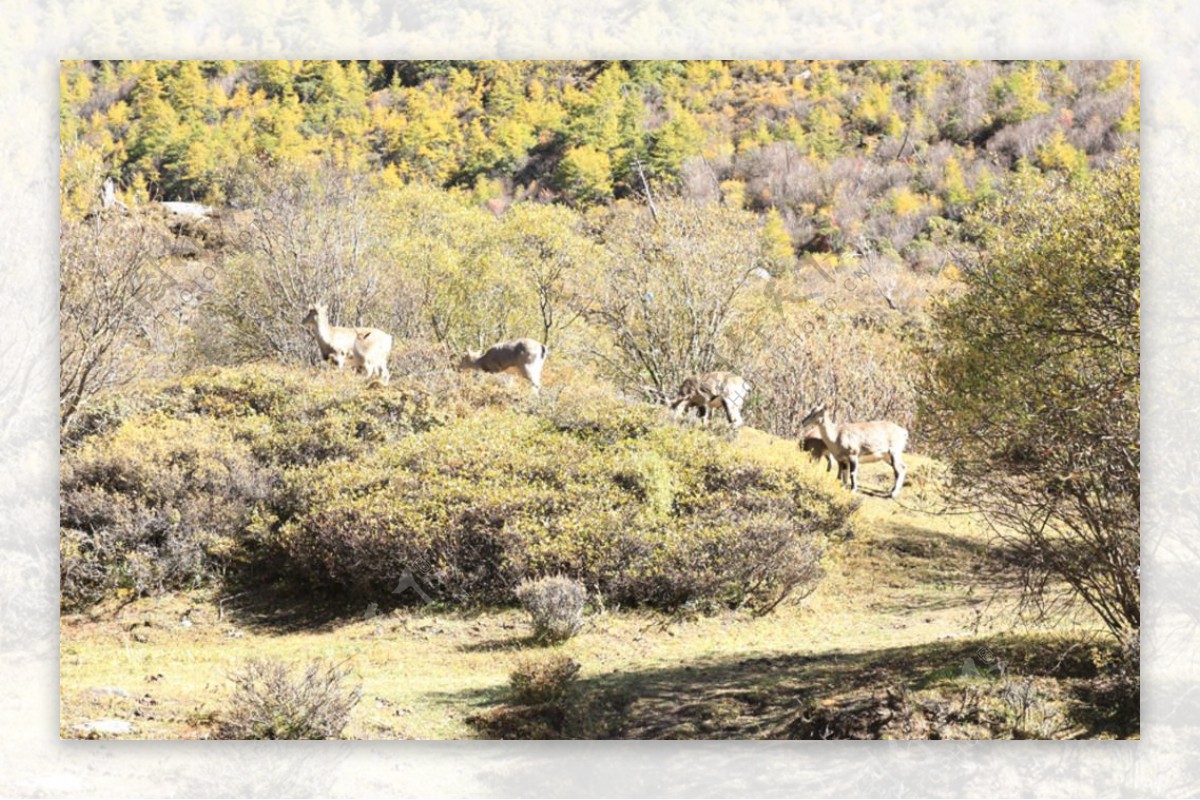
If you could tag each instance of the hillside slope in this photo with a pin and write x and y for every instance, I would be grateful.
(904, 621)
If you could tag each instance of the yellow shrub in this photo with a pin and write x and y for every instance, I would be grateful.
(905, 201)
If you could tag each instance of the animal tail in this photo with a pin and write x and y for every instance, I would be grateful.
(545, 352)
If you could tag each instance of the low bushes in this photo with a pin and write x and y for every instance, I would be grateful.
(542, 680)
(468, 485)
(667, 517)
(538, 701)
(269, 703)
(158, 504)
(170, 485)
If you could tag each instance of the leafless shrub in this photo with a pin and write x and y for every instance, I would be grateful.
(779, 173)
(315, 236)
(1031, 714)
(111, 279)
(959, 106)
(555, 605)
(699, 181)
(421, 358)
(822, 356)
(1021, 140)
(268, 703)
(885, 229)
(670, 298)
(1095, 118)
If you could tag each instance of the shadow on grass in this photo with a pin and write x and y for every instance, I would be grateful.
(505, 644)
(283, 610)
(767, 697)
(941, 569)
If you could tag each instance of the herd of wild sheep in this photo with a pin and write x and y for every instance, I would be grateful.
(847, 444)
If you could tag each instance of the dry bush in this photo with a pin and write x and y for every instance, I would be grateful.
(542, 680)
(555, 604)
(700, 181)
(959, 107)
(669, 299)
(816, 356)
(1096, 118)
(1021, 140)
(538, 701)
(419, 358)
(269, 703)
(112, 283)
(316, 236)
(781, 172)
(1009, 709)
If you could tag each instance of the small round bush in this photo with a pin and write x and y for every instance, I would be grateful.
(555, 605)
(542, 680)
(268, 703)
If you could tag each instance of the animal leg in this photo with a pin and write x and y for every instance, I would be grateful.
(853, 469)
(734, 412)
(900, 470)
(534, 373)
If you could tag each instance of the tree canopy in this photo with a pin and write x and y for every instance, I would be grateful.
(1034, 395)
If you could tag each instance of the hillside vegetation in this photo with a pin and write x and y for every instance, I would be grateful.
(910, 633)
(267, 474)
(822, 142)
(953, 247)
(653, 219)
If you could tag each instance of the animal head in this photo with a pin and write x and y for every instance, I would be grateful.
(690, 386)
(815, 417)
(468, 361)
(315, 312)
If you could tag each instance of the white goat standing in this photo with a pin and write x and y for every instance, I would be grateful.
(526, 356)
(711, 390)
(371, 351)
(365, 348)
(853, 443)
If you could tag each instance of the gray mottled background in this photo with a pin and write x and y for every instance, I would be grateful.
(33, 36)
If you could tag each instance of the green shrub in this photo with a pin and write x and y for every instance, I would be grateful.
(268, 703)
(597, 415)
(267, 472)
(170, 485)
(676, 516)
(159, 503)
